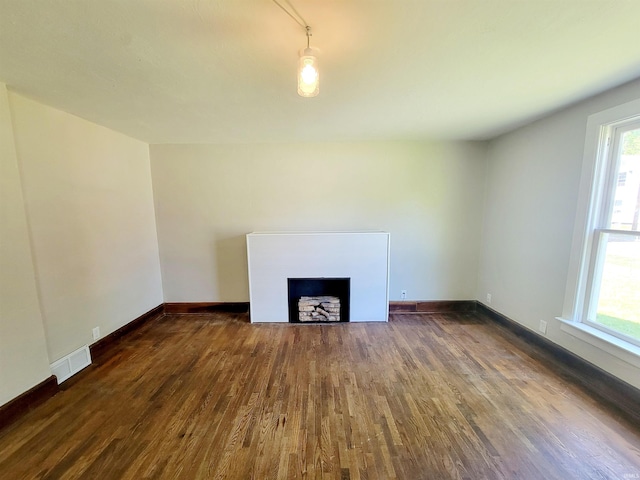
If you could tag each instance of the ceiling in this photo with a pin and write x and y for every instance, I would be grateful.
(222, 71)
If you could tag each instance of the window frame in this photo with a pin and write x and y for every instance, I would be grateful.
(593, 191)
(610, 157)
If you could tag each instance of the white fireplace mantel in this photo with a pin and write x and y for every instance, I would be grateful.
(276, 256)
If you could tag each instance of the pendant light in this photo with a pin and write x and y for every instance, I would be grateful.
(308, 73)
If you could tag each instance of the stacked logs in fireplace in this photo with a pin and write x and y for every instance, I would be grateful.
(319, 309)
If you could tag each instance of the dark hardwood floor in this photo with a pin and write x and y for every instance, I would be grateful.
(426, 396)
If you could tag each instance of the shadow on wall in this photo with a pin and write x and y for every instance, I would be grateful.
(231, 268)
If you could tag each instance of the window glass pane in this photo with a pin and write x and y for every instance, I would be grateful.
(619, 299)
(626, 203)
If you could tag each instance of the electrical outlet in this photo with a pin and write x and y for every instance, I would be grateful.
(488, 298)
(96, 333)
(403, 294)
(543, 327)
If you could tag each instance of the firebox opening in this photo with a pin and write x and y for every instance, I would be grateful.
(325, 299)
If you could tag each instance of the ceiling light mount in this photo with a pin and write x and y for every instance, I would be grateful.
(308, 73)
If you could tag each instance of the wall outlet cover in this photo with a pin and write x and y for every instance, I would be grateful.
(543, 326)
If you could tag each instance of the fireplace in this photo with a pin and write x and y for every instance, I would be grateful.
(361, 257)
(319, 300)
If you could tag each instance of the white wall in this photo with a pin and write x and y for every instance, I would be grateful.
(533, 179)
(428, 196)
(23, 352)
(90, 210)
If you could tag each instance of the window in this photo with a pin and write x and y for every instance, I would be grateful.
(611, 301)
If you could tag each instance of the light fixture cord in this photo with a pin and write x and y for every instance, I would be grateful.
(299, 20)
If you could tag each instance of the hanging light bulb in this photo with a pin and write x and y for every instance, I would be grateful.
(308, 74)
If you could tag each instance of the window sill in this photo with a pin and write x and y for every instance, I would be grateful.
(625, 351)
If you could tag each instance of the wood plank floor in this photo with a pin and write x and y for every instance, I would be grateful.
(422, 397)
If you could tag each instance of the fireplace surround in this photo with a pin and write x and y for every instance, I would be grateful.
(275, 257)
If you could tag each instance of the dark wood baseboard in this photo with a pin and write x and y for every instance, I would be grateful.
(14, 409)
(102, 346)
(439, 306)
(615, 393)
(206, 307)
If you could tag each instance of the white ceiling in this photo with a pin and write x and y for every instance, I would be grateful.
(222, 71)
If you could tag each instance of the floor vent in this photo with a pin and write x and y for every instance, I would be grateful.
(71, 364)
